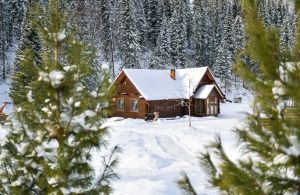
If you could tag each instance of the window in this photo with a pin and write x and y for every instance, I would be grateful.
(134, 106)
(170, 107)
(120, 104)
(166, 107)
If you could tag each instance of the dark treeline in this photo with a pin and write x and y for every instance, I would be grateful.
(148, 33)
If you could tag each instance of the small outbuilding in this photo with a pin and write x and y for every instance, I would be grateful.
(143, 91)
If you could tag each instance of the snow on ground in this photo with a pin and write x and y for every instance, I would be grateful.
(4, 96)
(155, 154)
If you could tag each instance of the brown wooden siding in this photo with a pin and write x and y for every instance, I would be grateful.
(127, 91)
(166, 108)
(212, 95)
(127, 113)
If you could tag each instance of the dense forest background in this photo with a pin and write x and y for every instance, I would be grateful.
(155, 34)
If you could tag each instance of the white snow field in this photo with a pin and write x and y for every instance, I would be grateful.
(155, 154)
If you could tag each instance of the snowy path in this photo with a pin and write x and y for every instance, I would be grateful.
(154, 154)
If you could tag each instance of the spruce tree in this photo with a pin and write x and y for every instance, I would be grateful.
(215, 30)
(141, 23)
(160, 58)
(153, 15)
(11, 23)
(106, 28)
(91, 19)
(128, 37)
(178, 35)
(203, 32)
(28, 59)
(224, 60)
(287, 29)
(238, 35)
(48, 148)
(5, 36)
(167, 8)
(188, 16)
(223, 66)
(164, 43)
(17, 13)
(270, 138)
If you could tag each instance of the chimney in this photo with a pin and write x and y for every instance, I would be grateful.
(173, 73)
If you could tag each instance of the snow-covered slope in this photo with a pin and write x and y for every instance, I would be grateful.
(154, 154)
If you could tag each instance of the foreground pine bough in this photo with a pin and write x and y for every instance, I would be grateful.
(57, 121)
(271, 138)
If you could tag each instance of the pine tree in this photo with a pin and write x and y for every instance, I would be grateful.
(280, 13)
(17, 13)
(164, 42)
(153, 15)
(167, 8)
(3, 37)
(106, 30)
(224, 59)
(48, 148)
(203, 33)
(270, 138)
(238, 35)
(92, 21)
(178, 35)
(223, 66)
(141, 23)
(11, 23)
(188, 16)
(215, 30)
(287, 29)
(128, 39)
(197, 22)
(25, 70)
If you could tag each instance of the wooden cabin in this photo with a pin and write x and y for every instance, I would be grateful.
(143, 91)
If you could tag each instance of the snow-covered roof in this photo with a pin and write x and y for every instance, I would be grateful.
(204, 91)
(158, 85)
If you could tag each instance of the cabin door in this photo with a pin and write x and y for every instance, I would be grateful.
(212, 106)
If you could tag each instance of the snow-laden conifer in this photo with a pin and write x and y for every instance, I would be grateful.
(58, 125)
(270, 137)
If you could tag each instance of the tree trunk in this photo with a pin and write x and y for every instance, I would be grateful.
(3, 62)
(112, 61)
(190, 120)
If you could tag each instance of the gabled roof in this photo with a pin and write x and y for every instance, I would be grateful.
(158, 85)
(204, 91)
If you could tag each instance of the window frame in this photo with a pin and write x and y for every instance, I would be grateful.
(137, 103)
(120, 109)
(212, 106)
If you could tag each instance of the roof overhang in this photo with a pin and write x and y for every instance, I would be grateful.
(204, 91)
